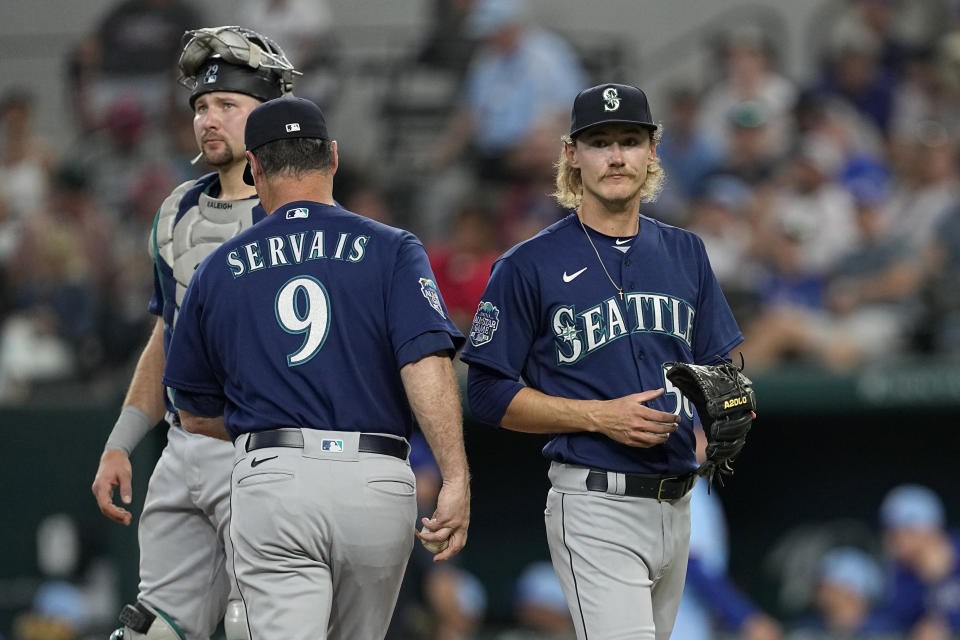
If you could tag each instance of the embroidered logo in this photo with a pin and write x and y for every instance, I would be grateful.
(333, 446)
(429, 290)
(293, 126)
(210, 77)
(299, 212)
(572, 276)
(485, 323)
(611, 99)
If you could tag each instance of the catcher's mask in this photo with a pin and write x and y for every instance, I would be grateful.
(234, 59)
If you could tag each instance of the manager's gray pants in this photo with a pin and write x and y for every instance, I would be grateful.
(321, 538)
(621, 561)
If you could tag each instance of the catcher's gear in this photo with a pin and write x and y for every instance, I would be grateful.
(255, 64)
(143, 622)
(725, 401)
(235, 621)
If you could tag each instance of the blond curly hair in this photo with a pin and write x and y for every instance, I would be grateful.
(569, 191)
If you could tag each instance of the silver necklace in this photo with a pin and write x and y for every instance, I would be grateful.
(600, 260)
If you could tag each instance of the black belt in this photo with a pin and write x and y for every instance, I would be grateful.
(640, 485)
(293, 438)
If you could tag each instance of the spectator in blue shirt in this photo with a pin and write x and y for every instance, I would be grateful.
(924, 595)
(520, 76)
(850, 582)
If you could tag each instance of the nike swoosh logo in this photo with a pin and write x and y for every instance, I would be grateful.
(619, 241)
(255, 462)
(572, 276)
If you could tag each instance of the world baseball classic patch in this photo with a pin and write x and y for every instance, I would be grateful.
(429, 290)
(485, 323)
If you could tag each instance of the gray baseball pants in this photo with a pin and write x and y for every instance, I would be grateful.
(186, 567)
(621, 561)
(321, 536)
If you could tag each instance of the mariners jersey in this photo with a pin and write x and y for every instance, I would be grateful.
(304, 320)
(551, 315)
(190, 224)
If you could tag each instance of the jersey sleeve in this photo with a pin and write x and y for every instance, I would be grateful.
(505, 324)
(415, 307)
(189, 365)
(716, 330)
(205, 405)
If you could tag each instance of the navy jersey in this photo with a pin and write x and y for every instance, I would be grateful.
(189, 225)
(304, 320)
(551, 315)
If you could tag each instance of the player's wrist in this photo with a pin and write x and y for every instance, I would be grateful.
(591, 421)
(458, 478)
(131, 427)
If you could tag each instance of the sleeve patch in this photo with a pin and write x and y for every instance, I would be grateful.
(485, 323)
(429, 290)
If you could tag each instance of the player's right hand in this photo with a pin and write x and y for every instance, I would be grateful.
(451, 518)
(630, 421)
(114, 471)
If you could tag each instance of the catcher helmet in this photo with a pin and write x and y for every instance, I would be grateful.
(234, 59)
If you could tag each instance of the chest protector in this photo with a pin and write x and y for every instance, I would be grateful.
(190, 225)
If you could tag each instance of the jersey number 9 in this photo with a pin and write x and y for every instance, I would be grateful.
(302, 306)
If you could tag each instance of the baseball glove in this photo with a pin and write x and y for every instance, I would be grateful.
(725, 401)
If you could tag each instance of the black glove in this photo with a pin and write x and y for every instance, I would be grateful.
(724, 400)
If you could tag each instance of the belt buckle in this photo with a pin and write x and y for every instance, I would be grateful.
(660, 487)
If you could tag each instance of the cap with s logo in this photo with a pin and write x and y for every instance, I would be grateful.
(610, 104)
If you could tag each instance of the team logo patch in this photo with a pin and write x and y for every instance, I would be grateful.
(210, 77)
(293, 126)
(429, 290)
(333, 446)
(299, 212)
(485, 323)
(611, 99)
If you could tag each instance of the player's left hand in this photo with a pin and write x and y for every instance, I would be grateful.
(451, 518)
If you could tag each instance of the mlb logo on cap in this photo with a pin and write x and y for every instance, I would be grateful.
(210, 76)
(610, 104)
(293, 126)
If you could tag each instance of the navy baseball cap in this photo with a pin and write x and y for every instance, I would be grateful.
(282, 119)
(610, 104)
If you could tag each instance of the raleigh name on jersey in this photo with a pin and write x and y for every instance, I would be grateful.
(189, 225)
(551, 315)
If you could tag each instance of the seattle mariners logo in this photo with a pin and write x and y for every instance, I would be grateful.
(485, 323)
(210, 76)
(299, 212)
(611, 99)
(429, 290)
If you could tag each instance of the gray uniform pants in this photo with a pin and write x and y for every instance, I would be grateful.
(621, 561)
(185, 553)
(322, 536)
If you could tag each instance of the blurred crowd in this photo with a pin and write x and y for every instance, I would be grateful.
(829, 206)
